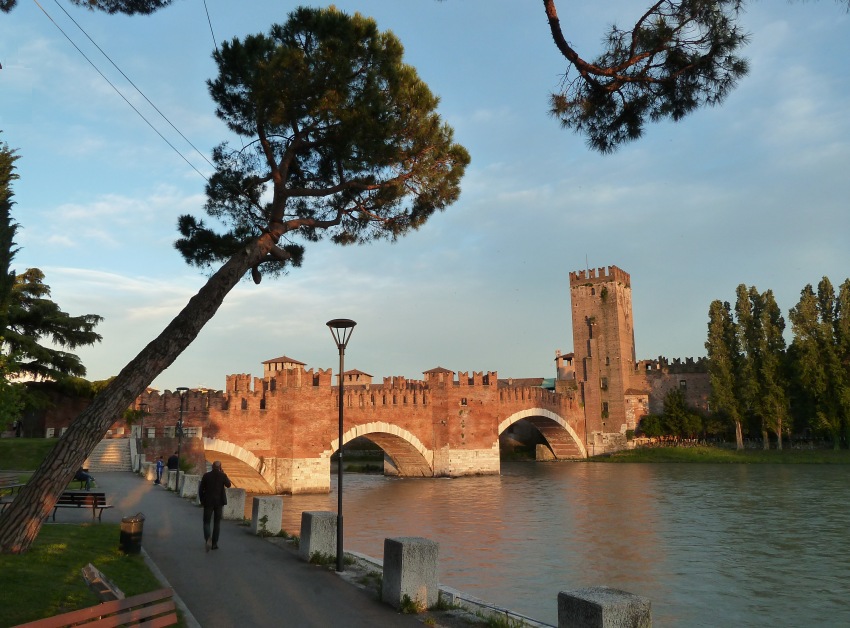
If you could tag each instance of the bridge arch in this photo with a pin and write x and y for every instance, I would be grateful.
(560, 435)
(407, 452)
(243, 467)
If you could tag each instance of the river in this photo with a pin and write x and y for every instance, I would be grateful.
(709, 545)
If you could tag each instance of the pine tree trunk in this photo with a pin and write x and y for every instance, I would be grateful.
(739, 436)
(22, 519)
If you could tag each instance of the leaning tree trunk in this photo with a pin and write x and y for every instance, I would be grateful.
(739, 436)
(22, 519)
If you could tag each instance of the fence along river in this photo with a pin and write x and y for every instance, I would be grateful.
(709, 545)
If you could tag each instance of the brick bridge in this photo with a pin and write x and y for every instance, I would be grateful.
(283, 427)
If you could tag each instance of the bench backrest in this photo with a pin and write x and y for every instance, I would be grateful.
(87, 498)
(155, 608)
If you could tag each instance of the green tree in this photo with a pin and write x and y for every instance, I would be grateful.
(34, 319)
(342, 141)
(724, 363)
(818, 325)
(748, 317)
(10, 392)
(678, 418)
(773, 380)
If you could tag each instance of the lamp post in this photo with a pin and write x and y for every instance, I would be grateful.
(143, 409)
(182, 390)
(341, 329)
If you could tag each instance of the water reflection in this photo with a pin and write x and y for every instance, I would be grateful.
(710, 545)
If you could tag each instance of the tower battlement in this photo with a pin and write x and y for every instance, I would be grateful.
(600, 275)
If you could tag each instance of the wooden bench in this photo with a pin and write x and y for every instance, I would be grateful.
(152, 610)
(96, 500)
(10, 482)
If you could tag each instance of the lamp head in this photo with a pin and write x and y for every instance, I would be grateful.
(341, 329)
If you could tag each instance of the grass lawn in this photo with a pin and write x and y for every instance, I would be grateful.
(47, 579)
(718, 455)
(24, 453)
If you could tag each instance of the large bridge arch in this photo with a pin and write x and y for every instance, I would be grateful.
(410, 457)
(560, 435)
(244, 468)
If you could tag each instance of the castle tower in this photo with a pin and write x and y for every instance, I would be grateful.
(603, 343)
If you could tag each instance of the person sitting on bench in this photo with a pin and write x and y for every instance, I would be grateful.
(84, 476)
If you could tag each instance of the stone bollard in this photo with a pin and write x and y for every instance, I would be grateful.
(266, 514)
(149, 471)
(235, 508)
(171, 479)
(410, 569)
(603, 607)
(189, 485)
(318, 534)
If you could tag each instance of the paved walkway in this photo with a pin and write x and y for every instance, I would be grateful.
(249, 581)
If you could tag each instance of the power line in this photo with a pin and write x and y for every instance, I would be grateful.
(118, 91)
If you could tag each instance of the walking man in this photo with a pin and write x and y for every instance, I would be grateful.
(213, 498)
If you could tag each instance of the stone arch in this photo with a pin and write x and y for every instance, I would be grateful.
(410, 457)
(560, 435)
(244, 468)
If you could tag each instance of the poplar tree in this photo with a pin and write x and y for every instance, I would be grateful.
(724, 363)
(341, 140)
(818, 365)
(773, 380)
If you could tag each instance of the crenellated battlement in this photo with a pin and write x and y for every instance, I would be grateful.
(599, 275)
(677, 366)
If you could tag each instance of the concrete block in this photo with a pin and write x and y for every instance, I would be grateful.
(318, 534)
(149, 471)
(171, 479)
(270, 507)
(410, 568)
(603, 607)
(189, 485)
(235, 508)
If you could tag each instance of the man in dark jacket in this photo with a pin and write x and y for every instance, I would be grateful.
(213, 498)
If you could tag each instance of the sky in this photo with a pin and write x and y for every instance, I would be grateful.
(754, 191)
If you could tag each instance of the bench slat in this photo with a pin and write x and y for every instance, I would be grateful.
(95, 613)
(134, 616)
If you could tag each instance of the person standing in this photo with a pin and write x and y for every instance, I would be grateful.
(213, 498)
(160, 465)
(173, 461)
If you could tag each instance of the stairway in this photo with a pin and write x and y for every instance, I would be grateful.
(110, 454)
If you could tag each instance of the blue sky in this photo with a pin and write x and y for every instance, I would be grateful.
(755, 191)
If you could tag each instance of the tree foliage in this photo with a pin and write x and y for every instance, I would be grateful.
(346, 141)
(724, 365)
(820, 324)
(343, 140)
(29, 321)
(680, 55)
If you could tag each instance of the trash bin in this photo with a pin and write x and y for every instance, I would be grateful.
(131, 533)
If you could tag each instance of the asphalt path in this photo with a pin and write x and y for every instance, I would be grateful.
(248, 581)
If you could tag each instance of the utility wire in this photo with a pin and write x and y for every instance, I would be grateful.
(139, 113)
(209, 21)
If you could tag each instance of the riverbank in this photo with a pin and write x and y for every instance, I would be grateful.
(718, 455)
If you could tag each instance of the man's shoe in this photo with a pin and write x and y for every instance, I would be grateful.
(207, 545)
(215, 546)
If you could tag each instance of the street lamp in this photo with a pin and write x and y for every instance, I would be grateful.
(182, 390)
(341, 329)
